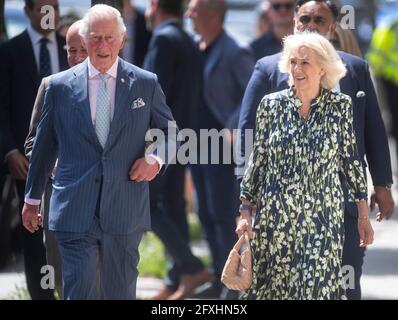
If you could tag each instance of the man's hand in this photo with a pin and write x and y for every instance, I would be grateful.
(383, 198)
(18, 165)
(143, 171)
(31, 217)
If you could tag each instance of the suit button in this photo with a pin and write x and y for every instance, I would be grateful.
(97, 180)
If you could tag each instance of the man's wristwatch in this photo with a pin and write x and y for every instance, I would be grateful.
(246, 207)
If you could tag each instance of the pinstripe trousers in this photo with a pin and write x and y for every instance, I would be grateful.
(118, 260)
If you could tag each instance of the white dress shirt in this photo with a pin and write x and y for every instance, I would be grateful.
(52, 47)
(94, 82)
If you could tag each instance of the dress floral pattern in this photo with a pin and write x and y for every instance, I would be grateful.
(293, 178)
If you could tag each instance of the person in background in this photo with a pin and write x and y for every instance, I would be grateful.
(24, 61)
(281, 16)
(345, 40)
(65, 22)
(263, 24)
(76, 53)
(383, 58)
(227, 68)
(321, 16)
(176, 60)
(137, 34)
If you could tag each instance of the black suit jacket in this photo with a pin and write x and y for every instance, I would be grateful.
(142, 38)
(176, 60)
(19, 83)
(370, 132)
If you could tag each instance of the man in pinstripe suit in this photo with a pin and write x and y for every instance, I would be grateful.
(95, 118)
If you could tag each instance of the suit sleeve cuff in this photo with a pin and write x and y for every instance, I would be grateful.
(33, 202)
(157, 159)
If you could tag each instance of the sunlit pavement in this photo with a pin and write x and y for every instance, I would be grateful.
(380, 272)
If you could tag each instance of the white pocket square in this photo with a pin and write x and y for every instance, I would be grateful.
(138, 103)
(360, 94)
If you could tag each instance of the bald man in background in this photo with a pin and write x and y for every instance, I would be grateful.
(76, 53)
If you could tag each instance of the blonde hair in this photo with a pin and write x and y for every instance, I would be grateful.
(328, 58)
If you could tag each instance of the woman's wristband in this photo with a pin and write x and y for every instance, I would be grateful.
(246, 207)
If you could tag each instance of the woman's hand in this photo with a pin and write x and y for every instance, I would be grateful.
(244, 223)
(365, 229)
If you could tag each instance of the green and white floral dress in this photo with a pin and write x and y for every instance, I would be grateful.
(293, 177)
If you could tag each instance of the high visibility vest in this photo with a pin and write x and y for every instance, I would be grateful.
(383, 52)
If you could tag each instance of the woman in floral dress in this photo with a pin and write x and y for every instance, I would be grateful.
(304, 138)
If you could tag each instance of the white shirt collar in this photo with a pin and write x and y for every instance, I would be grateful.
(93, 72)
(36, 36)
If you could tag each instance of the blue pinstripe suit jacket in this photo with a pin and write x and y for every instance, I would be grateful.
(66, 131)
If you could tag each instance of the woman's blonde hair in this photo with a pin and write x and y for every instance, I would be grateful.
(328, 58)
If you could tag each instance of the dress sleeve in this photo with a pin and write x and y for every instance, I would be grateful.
(254, 174)
(351, 166)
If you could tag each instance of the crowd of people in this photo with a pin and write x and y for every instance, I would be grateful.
(74, 127)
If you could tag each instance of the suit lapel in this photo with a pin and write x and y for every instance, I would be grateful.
(125, 85)
(81, 99)
(28, 58)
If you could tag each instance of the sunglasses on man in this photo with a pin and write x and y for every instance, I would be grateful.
(278, 6)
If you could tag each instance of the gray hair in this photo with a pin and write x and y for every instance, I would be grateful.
(101, 11)
(328, 58)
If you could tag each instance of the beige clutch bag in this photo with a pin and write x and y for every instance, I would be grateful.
(237, 273)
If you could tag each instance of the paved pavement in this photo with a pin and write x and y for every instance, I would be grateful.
(379, 281)
(380, 271)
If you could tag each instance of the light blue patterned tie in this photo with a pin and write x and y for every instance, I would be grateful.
(103, 114)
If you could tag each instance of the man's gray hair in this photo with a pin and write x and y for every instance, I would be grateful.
(217, 5)
(101, 11)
